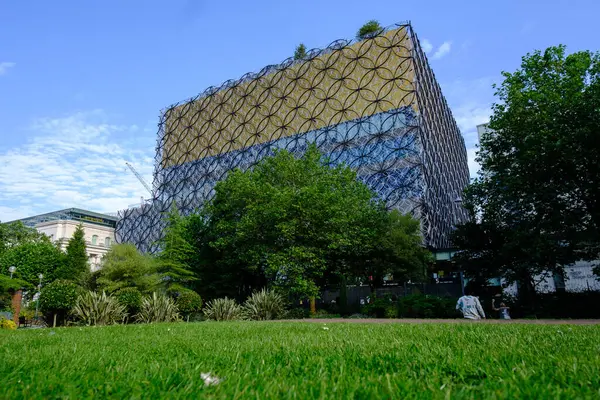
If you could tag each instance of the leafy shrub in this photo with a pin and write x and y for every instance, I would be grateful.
(324, 314)
(7, 324)
(27, 313)
(99, 309)
(58, 298)
(223, 310)
(130, 298)
(378, 308)
(368, 30)
(264, 305)
(158, 308)
(391, 311)
(300, 52)
(296, 313)
(420, 306)
(188, 302)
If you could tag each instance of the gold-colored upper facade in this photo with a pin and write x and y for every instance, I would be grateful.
(358, 80)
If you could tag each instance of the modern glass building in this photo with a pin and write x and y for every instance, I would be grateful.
(372, 104)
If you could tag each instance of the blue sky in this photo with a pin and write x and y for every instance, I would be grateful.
(82, 83)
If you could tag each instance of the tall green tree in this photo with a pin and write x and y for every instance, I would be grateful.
(76, 266)
(536, 204)
(125, 267)
(173, 261)
(300, 53)
(15, 233)
(369, 29)
(291, 223)
(31, 259)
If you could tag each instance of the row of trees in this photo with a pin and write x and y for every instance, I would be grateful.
(536, 203)
(290, 224)
(295, 224)
(32, 253)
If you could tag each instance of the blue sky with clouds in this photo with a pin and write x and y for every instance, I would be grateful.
(82, 83)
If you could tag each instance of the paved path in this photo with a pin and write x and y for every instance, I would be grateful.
(449, 321)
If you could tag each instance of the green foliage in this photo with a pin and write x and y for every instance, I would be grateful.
(8, 287)
(296, 313)
(264, 305)
(324, 314)
(300, 53)
(7, 284)
(369, 29)
(378, 307)
(536, 199)
(397, 250)
(420, 306)
(124, 267)
(130, 298)
(300, 360)
(188, 302)
(176, 251)
(295, 222)
(58, 298)
(76, 265)
(158, 308)
(7, 324)
(223, 310)
(15, 234)
(31, 259)
(99, 309)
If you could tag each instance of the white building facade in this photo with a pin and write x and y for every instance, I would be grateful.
(60, 226)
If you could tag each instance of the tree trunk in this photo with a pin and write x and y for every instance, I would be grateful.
(54, 324)
(313, 306)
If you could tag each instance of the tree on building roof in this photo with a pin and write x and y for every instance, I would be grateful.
(370, 29)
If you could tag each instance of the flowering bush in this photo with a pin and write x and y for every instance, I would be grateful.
(7, 324)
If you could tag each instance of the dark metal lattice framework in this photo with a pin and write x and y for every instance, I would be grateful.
(374, 105)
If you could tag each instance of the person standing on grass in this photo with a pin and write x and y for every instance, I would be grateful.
(500, 306)
(470, 307)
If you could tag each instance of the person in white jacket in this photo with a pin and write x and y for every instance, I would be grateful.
(470, 307)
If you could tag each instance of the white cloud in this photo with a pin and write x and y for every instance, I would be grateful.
(426, 45)
(74, 161)
(5, 66)
(442, 50)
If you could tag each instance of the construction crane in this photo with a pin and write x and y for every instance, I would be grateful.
(142, 181)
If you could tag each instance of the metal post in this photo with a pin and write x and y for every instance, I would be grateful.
(37, 303)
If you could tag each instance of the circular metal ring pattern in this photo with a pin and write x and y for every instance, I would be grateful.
(373, 105)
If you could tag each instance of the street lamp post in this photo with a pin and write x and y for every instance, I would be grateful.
(37, 304)
(12, 270)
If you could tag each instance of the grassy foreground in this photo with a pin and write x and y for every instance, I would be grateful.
(303, 361)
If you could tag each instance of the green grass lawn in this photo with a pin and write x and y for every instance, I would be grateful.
(303, 361)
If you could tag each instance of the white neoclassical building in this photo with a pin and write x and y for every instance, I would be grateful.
(60, 226)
